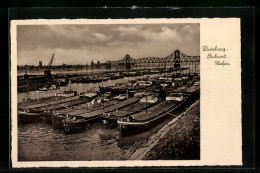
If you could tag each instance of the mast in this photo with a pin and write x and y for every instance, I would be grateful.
(70, 84)
(26, 95)
(60, 96)
(35, 88)
(195, 68)
(145, 100)
(103, 95)
(54, 106)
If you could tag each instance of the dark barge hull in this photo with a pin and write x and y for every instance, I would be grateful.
(57, 122)
(26, 117)
(71, 127)
(112, 90)
(109, 123)
(46, 118)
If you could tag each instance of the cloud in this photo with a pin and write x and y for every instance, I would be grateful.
(80, 43)
(124, 30)
(165, 35)
(100, 36)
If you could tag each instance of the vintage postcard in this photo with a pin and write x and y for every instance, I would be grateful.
(126, 92)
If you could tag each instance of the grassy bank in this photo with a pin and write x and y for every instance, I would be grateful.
(181, 142)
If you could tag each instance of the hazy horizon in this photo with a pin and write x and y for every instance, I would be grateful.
(80, 44)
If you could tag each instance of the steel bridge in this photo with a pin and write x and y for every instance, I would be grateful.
(177, 59)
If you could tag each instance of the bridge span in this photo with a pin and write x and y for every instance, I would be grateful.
(176, 59)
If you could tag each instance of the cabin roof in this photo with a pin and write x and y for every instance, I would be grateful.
(90, 94)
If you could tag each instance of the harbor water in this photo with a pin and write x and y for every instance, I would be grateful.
(40, 142)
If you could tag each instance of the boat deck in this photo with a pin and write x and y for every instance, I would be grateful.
(122, 113)
(87, 107)
(95, 107)
(154, 111)
(59, 105)
(35, 106)
(192, 89)
(122, 104)
(135, 107)
(110, 108)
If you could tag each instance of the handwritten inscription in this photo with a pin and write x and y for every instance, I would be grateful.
(217, 53)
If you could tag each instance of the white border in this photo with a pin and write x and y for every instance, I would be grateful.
(211, 153)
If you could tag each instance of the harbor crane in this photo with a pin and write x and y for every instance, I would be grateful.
(47, 72)
(51, 62)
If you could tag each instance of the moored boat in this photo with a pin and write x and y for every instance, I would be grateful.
(192, 91)
(67, 94)
(25, 117)
(174, 96)
(144, 120)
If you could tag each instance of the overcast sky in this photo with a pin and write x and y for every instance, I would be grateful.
(80, 44)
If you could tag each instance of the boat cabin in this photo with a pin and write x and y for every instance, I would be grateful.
(67, 94)
(89, 96)
(149, 99)
(144, 83)
(175, 97)
(139, 94)
(196, 83)
(122, 97)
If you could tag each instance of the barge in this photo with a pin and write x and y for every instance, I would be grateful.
(146, 119)
(25, 116)
(109, 119)
(82, 118)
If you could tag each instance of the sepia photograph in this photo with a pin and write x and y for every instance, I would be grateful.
(104, 92)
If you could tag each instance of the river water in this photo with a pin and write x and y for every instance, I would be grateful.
(39, 142)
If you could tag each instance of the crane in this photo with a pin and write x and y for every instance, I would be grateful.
(47, 72)
(51, 62)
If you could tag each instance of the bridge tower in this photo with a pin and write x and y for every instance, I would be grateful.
(127, 62)
(177, 59)
(108, 65)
